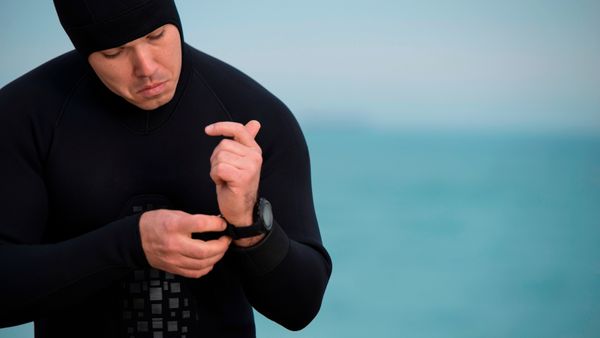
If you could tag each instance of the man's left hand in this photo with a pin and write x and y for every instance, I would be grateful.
(235, 169)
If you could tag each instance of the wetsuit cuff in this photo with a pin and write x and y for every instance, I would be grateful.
(265, 256)
(134, 238)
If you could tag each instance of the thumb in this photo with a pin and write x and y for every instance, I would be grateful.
(253, 127)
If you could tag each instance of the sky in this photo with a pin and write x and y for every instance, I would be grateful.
(511, 65)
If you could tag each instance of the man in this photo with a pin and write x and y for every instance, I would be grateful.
(137, 175)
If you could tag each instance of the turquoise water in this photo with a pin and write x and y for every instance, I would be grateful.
(454, 235)
(457, 235)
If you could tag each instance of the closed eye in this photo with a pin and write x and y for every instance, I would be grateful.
(111, 54)
(156, 36)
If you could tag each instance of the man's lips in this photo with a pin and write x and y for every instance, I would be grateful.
(152, 89)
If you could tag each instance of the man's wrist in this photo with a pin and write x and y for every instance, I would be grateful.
(253, 227)
(240, 222)
(249, 242)
(246, 218)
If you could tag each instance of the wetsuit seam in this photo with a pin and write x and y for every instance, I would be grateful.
(68, 99)
(61, 112)
(85, 3)
(147, 129)
(212, 91)
(147, 126)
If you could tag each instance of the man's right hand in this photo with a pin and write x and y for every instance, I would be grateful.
(168, 245)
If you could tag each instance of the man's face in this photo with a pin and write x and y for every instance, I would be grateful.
(144, 71)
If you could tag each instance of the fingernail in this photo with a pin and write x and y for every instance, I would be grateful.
(208, 128)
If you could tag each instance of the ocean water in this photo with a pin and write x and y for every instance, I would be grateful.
(454, 235)
(457, 235)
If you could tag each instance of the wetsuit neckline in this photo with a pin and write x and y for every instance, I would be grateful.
(147, 121)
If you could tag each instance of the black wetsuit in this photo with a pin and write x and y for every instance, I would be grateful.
(79, 166)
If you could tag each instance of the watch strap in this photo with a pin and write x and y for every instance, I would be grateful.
(244, 232)
(258, 227)
(231, 231)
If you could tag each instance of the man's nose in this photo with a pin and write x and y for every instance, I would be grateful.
(143, 62)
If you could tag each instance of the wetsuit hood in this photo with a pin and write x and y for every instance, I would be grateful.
(94, 25)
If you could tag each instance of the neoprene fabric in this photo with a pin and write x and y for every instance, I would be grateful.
(79, 165)
(94, 25)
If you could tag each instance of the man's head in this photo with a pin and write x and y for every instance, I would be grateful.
(134, 46)
(144, 71)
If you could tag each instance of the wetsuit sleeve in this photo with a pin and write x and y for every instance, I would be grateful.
(36, 278)
(286, 274)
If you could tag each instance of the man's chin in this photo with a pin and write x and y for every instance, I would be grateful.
(152, 103)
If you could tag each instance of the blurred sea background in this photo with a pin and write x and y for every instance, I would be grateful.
(455, 149)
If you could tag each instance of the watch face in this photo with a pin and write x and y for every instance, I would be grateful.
(266, 213)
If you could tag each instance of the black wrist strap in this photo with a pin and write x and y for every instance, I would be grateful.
(231, 231)
(255, 229)
(244, 232)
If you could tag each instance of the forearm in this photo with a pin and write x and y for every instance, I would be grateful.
(38, 279)
(284, 279)
(284, 276)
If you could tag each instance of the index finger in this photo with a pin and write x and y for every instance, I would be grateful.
(203, 223)
(196, 249)
(238, 131)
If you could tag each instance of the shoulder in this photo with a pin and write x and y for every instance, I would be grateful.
(31, 104)
(45, 87)
(238, 92)
(245, 99)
